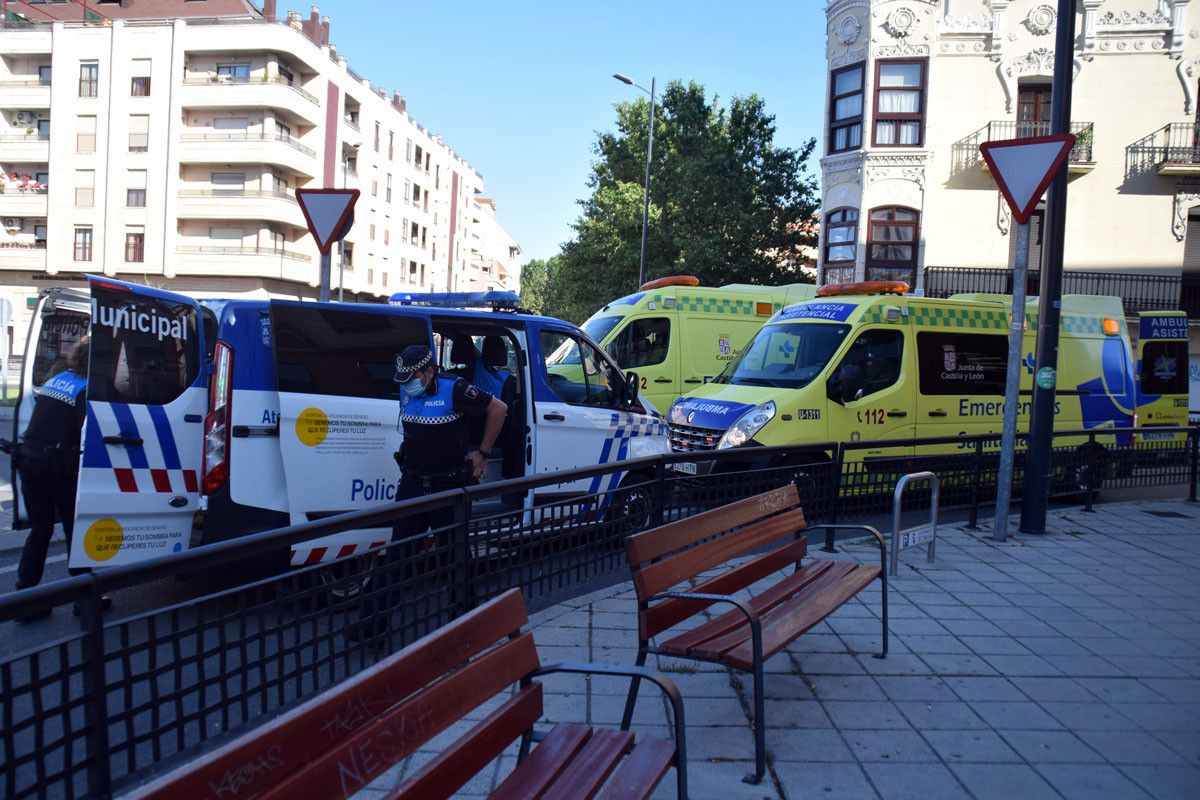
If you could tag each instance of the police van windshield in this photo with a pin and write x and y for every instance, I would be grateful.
(785, 355)
(599, 327)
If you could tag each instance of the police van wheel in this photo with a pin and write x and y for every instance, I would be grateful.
(346, 578)
(631, 506)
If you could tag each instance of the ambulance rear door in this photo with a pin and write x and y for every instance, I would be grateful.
(339, 413)
(1162, 368)
(59, 320)
(146, 400)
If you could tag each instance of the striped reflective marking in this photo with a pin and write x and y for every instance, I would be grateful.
(129, 428)
(166, 437)
(95, 453)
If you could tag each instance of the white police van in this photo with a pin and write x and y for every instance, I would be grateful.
(264, 413)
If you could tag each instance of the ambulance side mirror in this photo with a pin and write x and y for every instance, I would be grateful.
(846, 384)
(630, 395)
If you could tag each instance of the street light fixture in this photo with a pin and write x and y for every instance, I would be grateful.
(649, 155)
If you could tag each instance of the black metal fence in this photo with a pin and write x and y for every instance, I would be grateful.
(96, 712)
(1137, 292)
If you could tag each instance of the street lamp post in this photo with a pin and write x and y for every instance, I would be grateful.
(649, 156)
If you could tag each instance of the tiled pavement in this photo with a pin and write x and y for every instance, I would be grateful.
(1059, 666)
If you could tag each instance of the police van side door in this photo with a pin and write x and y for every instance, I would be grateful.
(146, 399)
(577, 419)
(58, 321)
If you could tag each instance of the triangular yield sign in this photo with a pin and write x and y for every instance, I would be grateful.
(326, 212)
(1023, 168)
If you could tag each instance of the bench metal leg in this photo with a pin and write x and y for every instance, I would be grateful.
(883, 579)
(760, 725)
(631, 700)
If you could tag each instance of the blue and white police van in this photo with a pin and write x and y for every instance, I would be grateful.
(265, 413)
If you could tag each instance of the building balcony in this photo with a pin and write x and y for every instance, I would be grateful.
(25, 93)
(227, 91)
(20, 148)
(1137, 292)
(31, 255)
(1171, 150)
(259, 262)
(22, 202)
(253, 148)
(966, 157)
(241, 204)
(23, 38)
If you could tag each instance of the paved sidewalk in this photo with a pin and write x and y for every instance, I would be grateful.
(1061, 666)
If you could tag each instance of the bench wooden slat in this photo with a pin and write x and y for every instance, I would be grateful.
(652, 544)
(294, 739)
(543, 765)
(587, 772)
(801, 613)
(672, 571)
(641, 771)
(669, 613)
(355, 760)
(450, 769)
(732, 625)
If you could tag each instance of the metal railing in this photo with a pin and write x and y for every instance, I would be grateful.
(1004, 129)
(235, 80)
(214, 250)
(24, 137)
(273, 194)
(291, 141)
(98, 711)
(25, 82)
(6, 189)
(1174, 143)
(1137, 292)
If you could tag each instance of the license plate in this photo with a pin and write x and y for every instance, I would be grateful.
(686, 467)
(914, 538)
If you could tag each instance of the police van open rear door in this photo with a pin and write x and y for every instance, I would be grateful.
(59, 320)
(146, 399)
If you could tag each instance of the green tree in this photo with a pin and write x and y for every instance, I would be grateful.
(727, 203)
(533, 285)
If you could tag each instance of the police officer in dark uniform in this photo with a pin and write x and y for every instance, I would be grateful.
(435, 410)
(48, 464)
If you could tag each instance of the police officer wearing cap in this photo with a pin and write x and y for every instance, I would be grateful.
(435, 410)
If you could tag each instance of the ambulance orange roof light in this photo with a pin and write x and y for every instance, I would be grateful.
(862, 287)
(670, 280)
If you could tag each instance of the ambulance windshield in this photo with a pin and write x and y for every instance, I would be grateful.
(785, 355)
(599, 327)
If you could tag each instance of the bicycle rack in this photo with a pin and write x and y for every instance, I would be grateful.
(911, 537)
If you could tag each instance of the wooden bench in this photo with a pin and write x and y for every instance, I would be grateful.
(338, 742)
(757, 628)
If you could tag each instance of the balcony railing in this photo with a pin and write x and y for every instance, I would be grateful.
(291, 141)
(1173, 149)
(25, 137)
(240, 251)
(235, 80)
(351, 124)
(275, 194)
(25, 82)
(1005, 129)
(1137, 292)
(9, 188)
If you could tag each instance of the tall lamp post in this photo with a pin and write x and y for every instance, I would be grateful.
(649, 155)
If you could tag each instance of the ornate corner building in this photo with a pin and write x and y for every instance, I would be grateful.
(915, 86)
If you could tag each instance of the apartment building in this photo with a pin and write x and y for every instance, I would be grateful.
(495, 255)
(163, 142)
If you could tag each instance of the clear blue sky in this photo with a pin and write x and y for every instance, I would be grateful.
(521, 88)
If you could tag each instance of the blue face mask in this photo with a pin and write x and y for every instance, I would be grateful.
(413, 387)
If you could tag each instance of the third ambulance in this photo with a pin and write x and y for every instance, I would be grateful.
(867, 362)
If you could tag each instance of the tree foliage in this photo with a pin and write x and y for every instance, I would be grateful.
(726, 204)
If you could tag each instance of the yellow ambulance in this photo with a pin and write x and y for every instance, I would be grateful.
(867, 362)
(679, 335)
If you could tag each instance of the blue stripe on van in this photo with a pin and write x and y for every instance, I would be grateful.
(95, 454)
(166, 439)
(129, 428)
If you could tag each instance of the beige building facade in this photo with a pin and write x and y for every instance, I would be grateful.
(169, 151)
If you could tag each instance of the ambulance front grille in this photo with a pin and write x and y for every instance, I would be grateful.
(688, 438)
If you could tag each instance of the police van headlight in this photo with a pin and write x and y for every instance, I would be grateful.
(747, 425)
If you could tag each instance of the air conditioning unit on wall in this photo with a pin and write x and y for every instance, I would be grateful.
(12, 223)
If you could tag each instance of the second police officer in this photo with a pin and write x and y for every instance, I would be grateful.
(435, 410)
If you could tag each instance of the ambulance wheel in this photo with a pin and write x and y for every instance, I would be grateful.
(632, 503)
(1089, 459)
(345, 578)
(810, 474)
